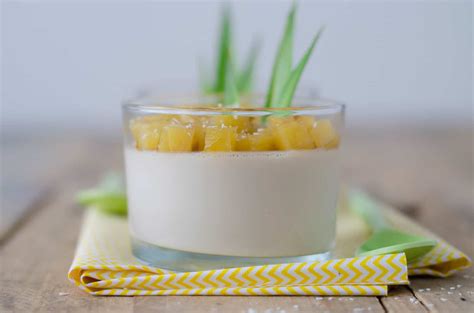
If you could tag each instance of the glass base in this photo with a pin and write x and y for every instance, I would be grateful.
(182, 261)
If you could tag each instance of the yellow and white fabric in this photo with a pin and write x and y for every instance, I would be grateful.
(104, 265)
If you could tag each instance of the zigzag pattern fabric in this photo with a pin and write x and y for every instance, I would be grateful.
(104, 265)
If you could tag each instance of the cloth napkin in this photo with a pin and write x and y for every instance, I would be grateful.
(104, 265)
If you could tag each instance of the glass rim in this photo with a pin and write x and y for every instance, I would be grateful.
(195, 104)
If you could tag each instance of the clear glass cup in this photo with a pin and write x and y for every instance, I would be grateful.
(216, 187)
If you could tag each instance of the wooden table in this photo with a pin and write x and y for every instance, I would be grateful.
(427, 174)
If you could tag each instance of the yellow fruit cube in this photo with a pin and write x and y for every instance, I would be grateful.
(176, 138)
(243, 142)
(261, 141)
(146, 133)
(324, 135)
(220, 138)
(199, 137)
(275, 121)
(189, 119)
(159, 117)
(196, 122)
(148, 140)
(333, 144)
(242, 123)
(292, 135)
(306, 120)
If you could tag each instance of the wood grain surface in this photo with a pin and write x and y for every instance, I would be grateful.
(426, 174)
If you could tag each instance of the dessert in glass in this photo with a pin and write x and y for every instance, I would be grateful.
(215, 187)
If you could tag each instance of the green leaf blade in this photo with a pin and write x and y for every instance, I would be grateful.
(224, 46)
(245, 78)
(231, 93)
(109, 196)
(282, 66)
(291, 84)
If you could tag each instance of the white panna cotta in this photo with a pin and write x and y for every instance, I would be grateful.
(245, 204)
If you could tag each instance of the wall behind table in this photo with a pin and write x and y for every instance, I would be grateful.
(68, 65)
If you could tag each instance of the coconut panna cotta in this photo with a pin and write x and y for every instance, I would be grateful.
(217, 184)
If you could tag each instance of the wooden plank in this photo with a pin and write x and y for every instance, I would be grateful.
(30, 167)
(35, 261)
(402, 299)
(16, 201)
(258, 304)
(452, 294)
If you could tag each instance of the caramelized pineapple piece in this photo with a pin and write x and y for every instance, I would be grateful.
(160, 117)
(199, 137)
(261, 141)
(333, 144)
(243, 142)
(275, 121)
(220, 138)
(291, 135)
(189, 119)
(196, 122)
(307, 121)
(242, 123)
(176, 138)
(324, 135)
(148, 140)
(146, 133)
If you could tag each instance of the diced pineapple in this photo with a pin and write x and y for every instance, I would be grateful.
(164, 145)
(176, 138)
(220, 138)
(292, 135)
(306, 120)
(324, 135)
(199, 137)
(146, 133)
(261, 141)
(275, 121)
(334, 143)
(243, 142)
(196, 122)
(148, 140)
(159, 117)
(189, 119)
(242, 123)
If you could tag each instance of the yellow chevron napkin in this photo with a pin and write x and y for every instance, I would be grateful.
(104, 265)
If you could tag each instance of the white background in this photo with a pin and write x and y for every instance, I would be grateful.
(67, 65)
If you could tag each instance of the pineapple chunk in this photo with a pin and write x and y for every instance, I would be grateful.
(333, 144)
(199, 131)
(159, 117)
(176, 138)
(243, 142)
(242, 123)
(189, 119)
(220, 138)
(146, 133)
(261, 141)
(275, 121)
(324, 135)
(148, 140)
(292, 135)
(306, 120)
(199, 137)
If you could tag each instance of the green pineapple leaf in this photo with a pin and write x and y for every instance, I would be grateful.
(282, 66)
(231, 93)
(109, 196)
(224, 48)
(205, 84)
(245, 78)
(289, 89)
